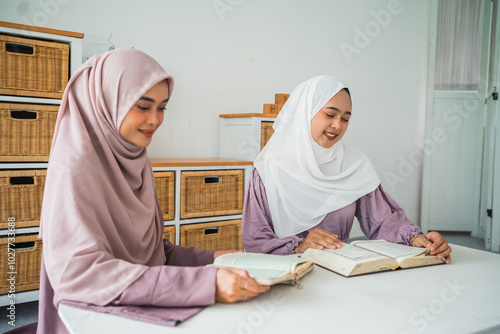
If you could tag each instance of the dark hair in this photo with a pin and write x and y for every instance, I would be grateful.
(347, 90)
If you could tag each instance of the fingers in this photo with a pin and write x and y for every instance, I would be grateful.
(437, 245)
(443, 251)
(235, 285)
(254, 288)
(240, 272)
(421, 241)
(320, 239)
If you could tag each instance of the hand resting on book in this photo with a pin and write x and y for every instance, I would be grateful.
(435, 243)
(235, 285)
(319, 239)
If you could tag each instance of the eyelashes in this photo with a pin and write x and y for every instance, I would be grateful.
(148, 108)
(332, 116)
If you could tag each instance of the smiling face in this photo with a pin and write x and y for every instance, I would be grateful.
(329, 124)
(146, 116)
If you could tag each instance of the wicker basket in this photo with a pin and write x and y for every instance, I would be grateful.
(169, 233)
(165, 189)
(266, 131)
(21, 193)
(222, 235)
(25, 267)
(26, 131)
(211, 193)
(31, 67)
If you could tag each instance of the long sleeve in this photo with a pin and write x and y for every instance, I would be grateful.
(182, 282)
(166, 286)
(257, 232)
(172, 286)
(380, 217)
(186, 256)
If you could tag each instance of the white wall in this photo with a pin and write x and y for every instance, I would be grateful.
(231, 56)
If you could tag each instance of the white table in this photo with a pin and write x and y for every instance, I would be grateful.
(462, 297)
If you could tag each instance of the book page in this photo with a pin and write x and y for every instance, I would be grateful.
(354, 253)
(396, 251)
(249, 261)
(265, 273)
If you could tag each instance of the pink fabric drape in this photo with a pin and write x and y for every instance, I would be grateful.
(101, 223)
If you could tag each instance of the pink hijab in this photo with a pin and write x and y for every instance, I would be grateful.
(101, 222)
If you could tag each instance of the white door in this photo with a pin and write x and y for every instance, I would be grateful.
(495, 229)
(485, 212)
(454, 127)
(490, 199)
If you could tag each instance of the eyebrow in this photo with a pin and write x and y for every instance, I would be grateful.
(145, 98)
(337, 110)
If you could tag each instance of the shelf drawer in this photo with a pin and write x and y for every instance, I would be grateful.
(266, 131)
(169, 233)
(165, 190)
(24, 267)
(32, 67)
(221, 235)
(26, 131)
(211, 193)
(21, 194)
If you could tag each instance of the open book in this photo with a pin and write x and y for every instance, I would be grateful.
(267, 269)
(368, 256)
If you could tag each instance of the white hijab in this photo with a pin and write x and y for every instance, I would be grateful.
(305, 181)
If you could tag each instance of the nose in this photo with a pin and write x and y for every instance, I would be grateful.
(153, 118)
(336, 123)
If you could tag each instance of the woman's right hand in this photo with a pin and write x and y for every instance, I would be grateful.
(319, 239)
(235, 285)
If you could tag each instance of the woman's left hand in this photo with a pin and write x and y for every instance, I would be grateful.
(435, 243)
(219, 253)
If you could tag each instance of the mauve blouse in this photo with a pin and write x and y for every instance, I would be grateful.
(183, 282)
(379, 216)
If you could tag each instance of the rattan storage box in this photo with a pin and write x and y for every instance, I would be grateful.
(26, 131)
(31, 67)
(169, 233)
(211, 193)
(266, 131)
(222, 235)
(165, 190)
(25, 267)
(21, 193)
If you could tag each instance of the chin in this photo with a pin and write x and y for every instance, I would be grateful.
(141, 144)
(328, 145)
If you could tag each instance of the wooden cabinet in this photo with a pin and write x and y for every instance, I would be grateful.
(214, 223)
(208, 201)
(35, 66)
(242, 136)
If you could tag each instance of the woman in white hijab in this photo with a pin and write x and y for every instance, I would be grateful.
(307, 186)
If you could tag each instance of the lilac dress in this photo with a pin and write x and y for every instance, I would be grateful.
(183, 285)
(380, 217)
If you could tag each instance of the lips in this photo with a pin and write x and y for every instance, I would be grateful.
(147, 133)
(330, 135)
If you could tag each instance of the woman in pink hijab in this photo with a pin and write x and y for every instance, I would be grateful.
(101, 222)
